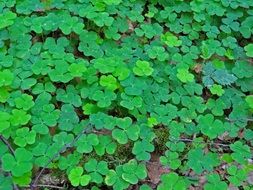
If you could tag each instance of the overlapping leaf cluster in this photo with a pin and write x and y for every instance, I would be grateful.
(87, 86)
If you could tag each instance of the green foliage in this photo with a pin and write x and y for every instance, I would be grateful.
(99, 91)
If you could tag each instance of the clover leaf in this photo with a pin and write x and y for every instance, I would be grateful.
(142, 68)
(184, 75)
(4, 120)
(214, 182)
(86, 143)
(142, 150)
(114, 178)
(24, 102)
(104, 98)
(96, 170)
(132, 172)
(109, 82)
(241, 152)
(6, 77)
(125, 131)
(19, 164)
(217, 89)
(249, 50)
(77, 177)
(172, 181)
(19, 117)
(24, 137)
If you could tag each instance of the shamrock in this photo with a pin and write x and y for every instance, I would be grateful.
(104, 98)
(77, 177)
(142, 150)
(24, 137)
(4, 120)
(7, 19)
(237, 176)
(241, 152)
(142, 68)
(19, 117)
(157, 52)
(210, 126)
(69, 161)
(132, 172)
(214, 182)
(217, 89)
(170, 159)
(249, 100)
(77, 69)
(172, 181)
(4, 94)
(133, 86)
(249, 50)
(86, 143)
(68, 117)
(96, 170)
(125, 131)
(19, 164)
(109, 82)
(6, 77)
(131, 102)
(184, 75)
(198, 161)
(70, 96)
(106, 145)
(24, 102)
(114, 178)
(170, 40)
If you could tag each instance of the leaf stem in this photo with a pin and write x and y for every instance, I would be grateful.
(33, 184)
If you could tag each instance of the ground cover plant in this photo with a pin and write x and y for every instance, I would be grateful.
(126, 94)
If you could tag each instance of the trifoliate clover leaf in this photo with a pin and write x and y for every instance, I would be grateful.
(214, 182)
(19, 164)
(19, 117)
(217, 89)
(114, 178)
(210, 126)
(241, 152)
(249, 50)
(198, 161)
(106, 145)
(157, 52)
(170, 40)
(86, 143)
(4, 120)
(184, 75)
(77, 69)
(237, 176)
(125, 131)
(172, 181)
(4, 94)
(109, 82)
(6, 77)
(77, 177)
(7, 19)
(133, 172)
(104, 98)
(24, 102)
(142, 68)
(171, 159)
(243, 69)
(142, 150)
(70, 161)
(68, 118)
(131, 102)
(24, 136)
(249, 100)
(70, 96)
(96, 170)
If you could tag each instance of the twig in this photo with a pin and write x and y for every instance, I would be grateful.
(210, 143)
(242, 119)
(5, 141)
(48, 186)
(35, 181)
